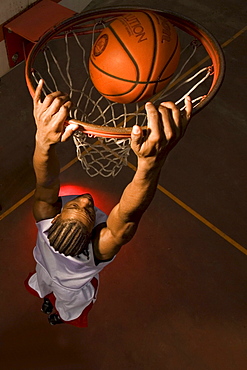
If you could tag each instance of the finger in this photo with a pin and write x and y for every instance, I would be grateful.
(166, 121)
(38, 92)
(153, 120)
(188, 107)
(136, 135)
(69, 130)
(68, 104)
(51, 97)
(174, 111)
(60, 117)
(57, 103)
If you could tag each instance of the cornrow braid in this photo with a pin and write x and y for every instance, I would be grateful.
(69, 237)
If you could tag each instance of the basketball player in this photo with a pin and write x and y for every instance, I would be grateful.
(75, 239)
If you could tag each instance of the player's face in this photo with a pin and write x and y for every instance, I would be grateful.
(82, 209)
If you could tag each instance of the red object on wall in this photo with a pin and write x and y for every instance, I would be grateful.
(22, 32)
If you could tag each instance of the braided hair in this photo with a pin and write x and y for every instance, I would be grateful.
(70, 237)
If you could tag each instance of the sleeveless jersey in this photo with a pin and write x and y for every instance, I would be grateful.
(69, 278)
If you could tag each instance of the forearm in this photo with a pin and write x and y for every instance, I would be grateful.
(139, 193)
(124, 218)
(47, 169)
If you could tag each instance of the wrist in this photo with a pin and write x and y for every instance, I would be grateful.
(151, 164)
(44, 147)
(147, 170)
(43, 143)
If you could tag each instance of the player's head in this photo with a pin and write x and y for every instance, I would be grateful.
(71, 230)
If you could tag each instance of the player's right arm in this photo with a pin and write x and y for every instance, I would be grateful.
(49, 118)
(165, 128)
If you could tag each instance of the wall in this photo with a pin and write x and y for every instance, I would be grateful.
(9, 8)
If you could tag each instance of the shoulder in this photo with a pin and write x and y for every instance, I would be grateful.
(44, 225)
(101, 216)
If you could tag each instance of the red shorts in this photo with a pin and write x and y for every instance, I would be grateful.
(81, 321)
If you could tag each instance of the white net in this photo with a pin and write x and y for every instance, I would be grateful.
(63, 64)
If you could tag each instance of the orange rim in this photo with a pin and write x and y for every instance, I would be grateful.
(185, 24)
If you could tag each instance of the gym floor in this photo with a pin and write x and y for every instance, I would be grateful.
(175, 297)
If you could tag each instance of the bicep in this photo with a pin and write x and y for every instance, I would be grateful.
(108, 242)
(122, 225)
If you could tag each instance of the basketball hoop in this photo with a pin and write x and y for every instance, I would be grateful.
(61, 57)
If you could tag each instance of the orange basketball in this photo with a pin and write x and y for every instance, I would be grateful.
(134, 57)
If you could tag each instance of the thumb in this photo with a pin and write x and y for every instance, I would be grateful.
(136, 138)
(69, 130)
(136, 132)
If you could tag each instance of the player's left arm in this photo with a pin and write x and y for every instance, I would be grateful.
(166, 126)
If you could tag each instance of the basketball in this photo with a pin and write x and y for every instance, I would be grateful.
(134, 57)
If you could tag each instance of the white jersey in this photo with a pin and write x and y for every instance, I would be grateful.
(69, 278)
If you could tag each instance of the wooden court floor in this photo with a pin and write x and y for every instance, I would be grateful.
(175, 298)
